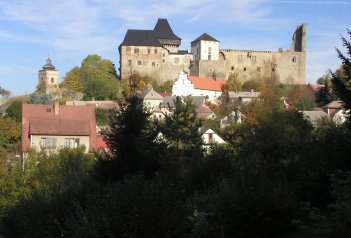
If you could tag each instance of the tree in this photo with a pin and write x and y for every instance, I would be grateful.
(96, 78)
(180, 127)
(132, 143)
(135, 82)
(73, 80)
(165, 87)
(233, 83)
(4, 93)
(325, 94)
(342, 81)
(41, 98)
(14, 111)
(10, 134)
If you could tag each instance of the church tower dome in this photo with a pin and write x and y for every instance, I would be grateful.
(48, 77)
(48, 65)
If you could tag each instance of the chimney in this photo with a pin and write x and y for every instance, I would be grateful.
(57, 107)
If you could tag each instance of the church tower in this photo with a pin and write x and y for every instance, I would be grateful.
(48, 77)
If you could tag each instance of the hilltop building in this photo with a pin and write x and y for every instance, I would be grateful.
(156, 53)
(48, 77)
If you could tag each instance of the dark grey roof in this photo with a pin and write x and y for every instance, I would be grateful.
(150, 94)
(205, 37)
(141, 38)
(181, 52)
(164, 31)
(48, 65)
(168, 101)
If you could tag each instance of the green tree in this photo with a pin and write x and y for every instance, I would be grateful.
(180, 127)
(233, 83)
(132, 143)
(40, 98)
(325, 94)
(14, 111)
(96, 78)
(10, 134)
(342, 81)
(164, 87)
(4, 93)
(252, 84)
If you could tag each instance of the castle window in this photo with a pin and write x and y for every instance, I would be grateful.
(209, 57)
(148, 51)
(129, 62)
(163, 61)
(293, 59)
(259, 69)
(136, 51)
(244, 68)
(153, 64)
(128, 50)
(232, 67)
(163, 55)
(155, 51)
(52, 80)
(139, 62)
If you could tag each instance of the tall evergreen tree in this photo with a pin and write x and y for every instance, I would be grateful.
(132, 143)
(342, 80)
(180, 127)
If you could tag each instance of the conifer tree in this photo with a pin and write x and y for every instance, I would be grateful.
(342, 79)
(132, 143)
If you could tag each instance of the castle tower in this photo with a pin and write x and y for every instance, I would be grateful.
(205, 47)
(166, 37)
(48, 77)
(299, 39)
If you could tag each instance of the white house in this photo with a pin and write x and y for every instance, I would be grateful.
(186, 85)
(151, 99)
(210, 137)
(234, 117)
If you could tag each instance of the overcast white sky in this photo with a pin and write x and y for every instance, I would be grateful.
(69, 30)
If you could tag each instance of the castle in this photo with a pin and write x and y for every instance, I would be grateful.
(155, 53)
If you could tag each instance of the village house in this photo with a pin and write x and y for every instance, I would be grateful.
(53, 127)
(151, 99)
(209, 136)
(211, 88)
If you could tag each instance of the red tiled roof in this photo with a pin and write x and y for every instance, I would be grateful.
(100, 143)
(207, 83)
(316, 87)
(70, 120)
(203, 109)
(40, 126)
(165, 94)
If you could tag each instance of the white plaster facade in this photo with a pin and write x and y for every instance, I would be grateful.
(211, 137)
(183, 86)
(36, 141)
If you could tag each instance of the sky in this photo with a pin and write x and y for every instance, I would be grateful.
(69, 30)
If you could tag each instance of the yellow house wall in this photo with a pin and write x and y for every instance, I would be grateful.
(35, 141)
